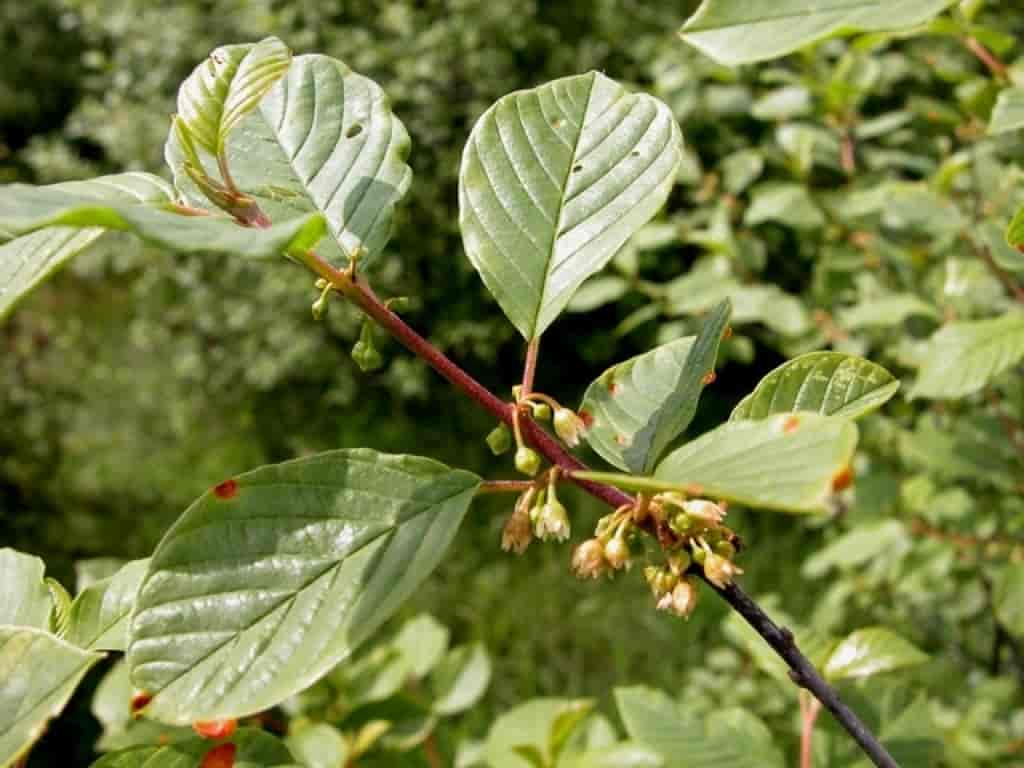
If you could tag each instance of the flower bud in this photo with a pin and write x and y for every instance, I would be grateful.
(365, 353)
(319, 308)
(541, 411)
(681, 523)
(684, 598)
(568, 427)
(709, 513)
(500, 439)
(552, 522)
(616, 551)
(720, 571)
(588, 559)
(527, 461)
(517, 533)
(678, 562)
(660, 580)
(725, 548)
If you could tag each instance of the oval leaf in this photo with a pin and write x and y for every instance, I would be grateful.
(277, 575)
(99, 614)
(739, 31)
(1008, 112)
(554, 180)
(829, 383)
(25, 599)
(323, 139)
(38, 674)
(252, 749)
(635, 409)
(1009, 598)
(785, 462)
(870, 651)
(461, 679)
(962, 357)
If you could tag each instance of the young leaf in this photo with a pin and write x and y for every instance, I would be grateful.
(961, 358)
(1008, 113)
(635, 409)
(322, 139)
(1015, 230)
(554, 180)
(870, 651)
(227, 86)
(99, 614)
(786, 462)
(25, 599)
(277, 575)
(252, 748)
(829, 383)
(460, 679)
(38, 674)
(738, 31)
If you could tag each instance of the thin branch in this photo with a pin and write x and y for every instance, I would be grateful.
(986, 57)
(1004, 277)
(530, 368)
(505, 486)
(810, 707)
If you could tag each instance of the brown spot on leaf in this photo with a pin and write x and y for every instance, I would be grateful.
(708, 378)
(727, 333)
(622, 440)
(222, 756)
(139, 702)
(693, 489)
(226, 490)
(842, 479)
(791, 424)
(215, 729)
(613, 387)
(587, 418)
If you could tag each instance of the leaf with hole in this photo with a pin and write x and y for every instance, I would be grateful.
(323, 139)
(738, 31)
(634, 410)
(38, 674)
(554, 181)
(829, 383)
(272, 578)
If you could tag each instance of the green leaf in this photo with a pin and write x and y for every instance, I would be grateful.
(597, 292)
(829, 383)
(99, 615)
(635, 409)
(141, 203)
(422, 642)
(277, 575)
(227, 86)
(61, 615)
(319, 745)
(785, 462)
(961, 358)
(253, 749)
(738, 32)
(886, 311)
(1015, 230)
(38, 674)
(1009, 598)
(869, 652)
(654, 720)
(554, 180)
(1003, 254)
(1008, 112)
(770, 305)
(785, 203)
(526, 726)
(25, 599)
(624, 755)
(565, 724)
(857, 546)
(111, 706)
(28, 261)
(323, 139)
(460, 680)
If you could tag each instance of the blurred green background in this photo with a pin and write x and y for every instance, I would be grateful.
(136, 379)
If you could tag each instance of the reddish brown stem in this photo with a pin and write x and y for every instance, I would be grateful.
(505, 486)
(986, 57)
(809, 709)
(1004, 277)
(530, 368)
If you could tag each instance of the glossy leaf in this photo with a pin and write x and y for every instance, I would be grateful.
(141, 203)
(461, 679)
(227, 86)
(323, 139)
(635, 409)
(869, 652)
(24, 597)
(785, 462)
(961, 358)
(38, 674)
(99, 615)
(277, 575)
(738, 31)
(1009, 598)
(1008, 112)
(253, 749)
(28, 261)
(828, 383)
(554, 180)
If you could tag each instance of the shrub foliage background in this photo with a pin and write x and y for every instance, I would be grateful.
(849, 196)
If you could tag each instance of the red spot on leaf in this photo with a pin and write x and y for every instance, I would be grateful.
(727, 333)
(139, 702)
(622, 440)
(226, 490)
(613, 387)
(708, 378)
(587, 418)
(842, 479)
(1020, 247)
(222, 756)
(215, 729)
(791, 424)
